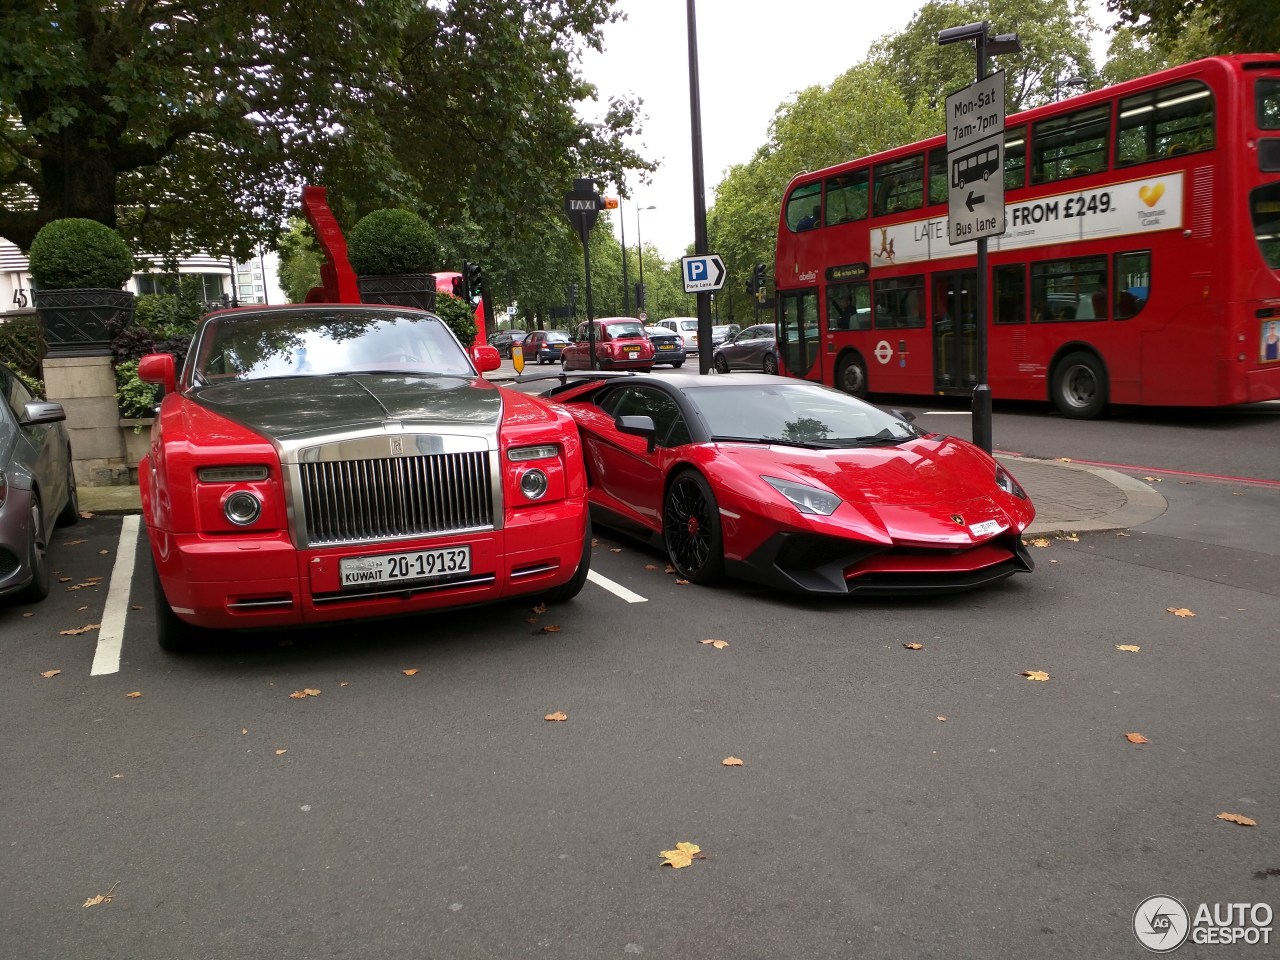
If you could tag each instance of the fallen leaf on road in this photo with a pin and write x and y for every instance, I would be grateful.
(72, 543)
(103, 553)
(670, 569)
(683, 855)
(79, 630)
(1136, 738)
(64, 579)
(85, 515)
(650, 566)
(683, 583)
(281, 752)
(615, 549)
(558, 715)
(50, 674)
(731, 762)
(1035, 675)
(1179, 611)
(409, 673)
(943, 719)
(1152, 479)
(1064, 459)
(1128, 647)
(540, 608)
(28, 614)
(549, 628)
(1123, 534)
(1238, 818)
(135, 606)
(345, 683)
(243, 731)
(135, 695)
(914, 646)
(718, 644)
(302, 694)
(1038, 542)
(103, 897)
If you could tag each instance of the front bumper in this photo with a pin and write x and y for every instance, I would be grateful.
(263, 582)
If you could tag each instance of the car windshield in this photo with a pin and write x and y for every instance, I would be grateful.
(616, 331)
(804, 414)
(318, 341)
(556, 336)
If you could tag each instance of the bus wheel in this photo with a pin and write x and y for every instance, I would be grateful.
(852, 376)
(1080, 386)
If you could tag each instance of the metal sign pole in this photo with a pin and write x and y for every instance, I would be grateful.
(982, 391)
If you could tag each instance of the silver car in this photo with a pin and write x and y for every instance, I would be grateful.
(755, 348)
(37, 488)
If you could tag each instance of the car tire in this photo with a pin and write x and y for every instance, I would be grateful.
(567, 591)
(691, 529)
(852, 376)
(172, 634)
(1080, 386)
(37, 558)
(770, 364)
(720, 363)
(70, 513)
(677, 366)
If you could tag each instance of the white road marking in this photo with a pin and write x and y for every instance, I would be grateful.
(106, 658)
(616, 589)
(947, 413)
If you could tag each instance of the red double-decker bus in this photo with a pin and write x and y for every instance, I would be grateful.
(1140, 262)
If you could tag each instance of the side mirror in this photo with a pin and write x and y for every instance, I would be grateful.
(906, 415)
(159, 368)
(41, 411)
(639, 426)
(485, 358)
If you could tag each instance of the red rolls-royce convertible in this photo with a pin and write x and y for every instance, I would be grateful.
(332, 462)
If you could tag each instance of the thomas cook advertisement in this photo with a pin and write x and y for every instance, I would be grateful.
(1133, 207)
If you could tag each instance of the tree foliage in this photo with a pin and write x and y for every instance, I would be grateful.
(1212, 26)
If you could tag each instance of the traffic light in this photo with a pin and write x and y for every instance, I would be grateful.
(460, 288)
(758, 279)
(640, 291)
(475, 278)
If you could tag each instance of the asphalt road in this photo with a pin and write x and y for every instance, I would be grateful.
(440, 816)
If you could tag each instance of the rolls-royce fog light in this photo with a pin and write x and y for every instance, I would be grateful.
(533, 484)
(242, 508)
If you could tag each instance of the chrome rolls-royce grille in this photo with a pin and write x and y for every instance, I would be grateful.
(378, 499)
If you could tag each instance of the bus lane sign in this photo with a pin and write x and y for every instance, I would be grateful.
(975, 160)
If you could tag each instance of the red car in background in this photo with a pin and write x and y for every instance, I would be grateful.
(621, 344)
(333, 462)
(794, 485)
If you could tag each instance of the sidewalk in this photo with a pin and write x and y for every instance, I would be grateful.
(1068, 498)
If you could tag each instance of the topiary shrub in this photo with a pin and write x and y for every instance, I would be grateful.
(78, 254)
(136, 400)
(390, 242)
(459, 315)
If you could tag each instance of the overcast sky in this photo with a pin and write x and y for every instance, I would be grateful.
(748, 63)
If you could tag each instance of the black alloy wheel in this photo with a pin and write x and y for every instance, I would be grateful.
(691, 529)
(770, 364)
(720, 363)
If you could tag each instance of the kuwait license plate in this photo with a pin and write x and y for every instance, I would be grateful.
(396, 567)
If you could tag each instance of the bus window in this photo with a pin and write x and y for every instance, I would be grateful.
(849, 306)
(1070, 145)
(899, 185)
(1133, 283)
(1264, 206)
(899, 303)
(804, 206)
(1165, 123)
(1268, 93)
(1009, 294)
(847, 196)
(938, 192)
(1015, 158)
(1073, 289)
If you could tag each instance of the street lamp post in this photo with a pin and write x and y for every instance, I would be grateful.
(1077, 82)
(640, 251)
(626, 296)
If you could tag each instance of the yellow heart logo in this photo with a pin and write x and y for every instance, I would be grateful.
(1151, 194)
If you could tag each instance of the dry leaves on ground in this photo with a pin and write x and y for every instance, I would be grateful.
(72, 543)
(1179, 611)
(135, 695)
(731, 762)
(942, 719)
(85, 515)
(914, 646)
(1040, 542)
(1035, 675)
(615, 549)
(75, 633)
(558, 715)
(1128, 647)
(281, 752)
(549, 628)
(683, 583)
(670, 569)
(410, 672)
(1152, 479)
(540, 608)
(683, 855)
(1239, 818)
(718, 644)
(50, 674)
(1068, 537)
(1136, 738)
(651, 566)
(303, 694)
(103, 897)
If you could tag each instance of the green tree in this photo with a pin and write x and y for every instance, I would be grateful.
(1215, 26)
(300, 261)
(190, 126)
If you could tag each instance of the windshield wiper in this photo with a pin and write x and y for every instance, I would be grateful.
(805, 444)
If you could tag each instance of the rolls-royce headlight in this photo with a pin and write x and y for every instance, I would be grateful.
(805, 498)
(242, 508)
(540, 452)
(533, 484)
(231, 474)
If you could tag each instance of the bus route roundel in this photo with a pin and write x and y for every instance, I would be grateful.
(884, 352)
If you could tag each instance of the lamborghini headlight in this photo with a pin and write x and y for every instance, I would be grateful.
(805, 498)
(1009, 485)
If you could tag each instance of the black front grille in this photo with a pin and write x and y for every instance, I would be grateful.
(359, 500)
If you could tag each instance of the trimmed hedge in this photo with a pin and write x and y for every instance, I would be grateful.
(78, 254)
(459, 316)
(392, 241)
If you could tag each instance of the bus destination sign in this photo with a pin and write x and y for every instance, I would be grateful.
(975, 160)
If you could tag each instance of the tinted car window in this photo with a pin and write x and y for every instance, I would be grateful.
(648, 402)
(794, 412)
(617, 330)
